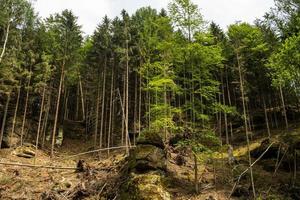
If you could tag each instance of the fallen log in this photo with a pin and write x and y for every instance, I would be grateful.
(37, 166)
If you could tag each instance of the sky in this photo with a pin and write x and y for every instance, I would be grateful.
(91, 12)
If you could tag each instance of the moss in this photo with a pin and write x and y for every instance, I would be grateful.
(149, 137)
(5, 180)
(147, 186)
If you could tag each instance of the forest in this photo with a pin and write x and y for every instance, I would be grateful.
(154, 105)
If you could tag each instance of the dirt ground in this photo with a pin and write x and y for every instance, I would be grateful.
(216, 177)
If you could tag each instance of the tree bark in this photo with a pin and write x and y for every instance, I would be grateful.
(103, 101)
(15, 113)
(245, 122)
(39, 125)
(4, 119)
(283, 108)
(110, 111)
(57, 109)
(25, 111)
(266, 116)
(5, 42)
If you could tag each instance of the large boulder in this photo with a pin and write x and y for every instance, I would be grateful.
(151, 138)
(148, 157)
(148, 186)
(145, 172)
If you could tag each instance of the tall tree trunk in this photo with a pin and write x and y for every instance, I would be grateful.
(5, 41)
(123, 118)
(82, 99)
(39, 124)
(127, 100)
(25, 111)
(135, 114)
(266, 116)
(110, 111)
(140, 103)
(15, 113)
(103, 102)
(283, 108)
(4, 119)
(57, 109)
(225, 114)
(245, 122)
(77, 103)
(45, 121)
(97, 115)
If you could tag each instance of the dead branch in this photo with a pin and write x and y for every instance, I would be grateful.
(37, 166)
(93, 151)
(243, 173)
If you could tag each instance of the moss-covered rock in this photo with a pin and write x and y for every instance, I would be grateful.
(151, 138)
(148, 186)
(148, 157)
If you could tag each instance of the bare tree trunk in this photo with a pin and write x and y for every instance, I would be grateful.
(15, 113)
(5, 42)
(123, 118)
(266, 116)
(110, 111)
(283, 108)
(135, 107)
(140, 103)
(4, 119)
(25, 111)
(97, 115)
(77, 103)
(225, 114)
(57, 109)
(127, 100)
(45, 121)
(245, 122)
(103, 101)
(39, 125)
(82, 99)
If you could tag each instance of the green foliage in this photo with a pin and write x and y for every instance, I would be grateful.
(284, 64)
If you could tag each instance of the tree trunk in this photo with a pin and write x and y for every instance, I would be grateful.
(25, 111)
(266, 116)
(4, 119)
(127, 99)
(229, 101)
(15, 113)
(225, 114)
(123, 116)
(82, 99)
(57, 109)
(5, 42)
(39, 125)
(283, 108)
(45, 121)
(97, 115)
(245, 122)
(135, 114)
(110, 111)
(103, 102)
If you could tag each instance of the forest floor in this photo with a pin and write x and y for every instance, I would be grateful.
(216, 177)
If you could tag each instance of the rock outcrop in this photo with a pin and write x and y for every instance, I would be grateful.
(146, 170)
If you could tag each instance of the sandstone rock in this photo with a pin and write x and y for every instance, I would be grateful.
(151, 138)
(148, 186)
(148, 157)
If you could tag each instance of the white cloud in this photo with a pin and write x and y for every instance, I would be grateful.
(91, 12)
